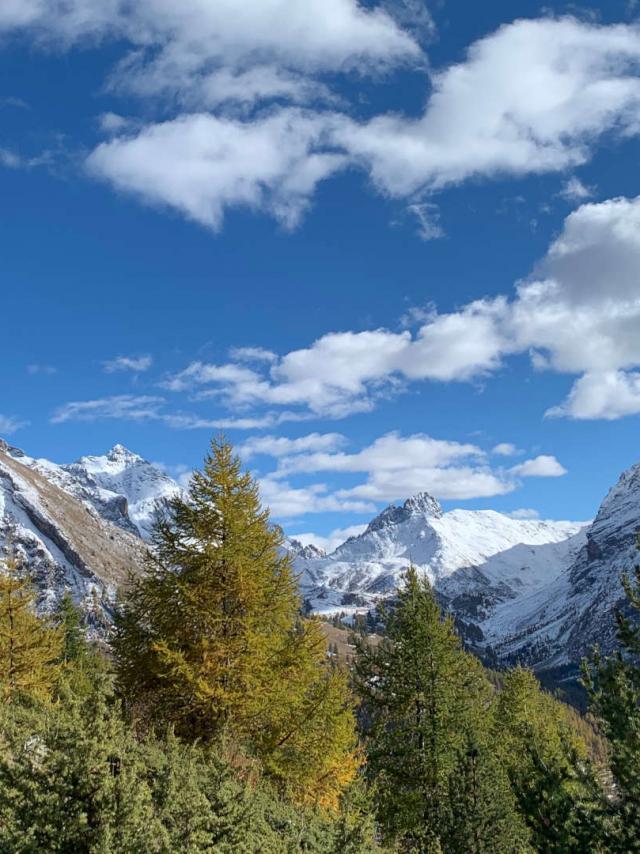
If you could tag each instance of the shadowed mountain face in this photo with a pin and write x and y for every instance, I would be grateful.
(541, 592)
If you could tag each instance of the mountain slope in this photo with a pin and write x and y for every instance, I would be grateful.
(65, 542)
(483, 564)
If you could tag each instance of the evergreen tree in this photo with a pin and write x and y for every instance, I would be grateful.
(557, 790)
(201, 805)
(29, 647)
(482, 812)
(421, 693)
(73, 779)
(69, 619)
(613, 685)
(211, 639)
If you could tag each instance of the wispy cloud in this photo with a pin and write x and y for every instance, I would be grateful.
(41, 368)
(135, 364)
(10, 424)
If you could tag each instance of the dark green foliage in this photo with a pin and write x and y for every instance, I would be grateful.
(482, 812)
(557, 791)
(421, 693)
(613, 685)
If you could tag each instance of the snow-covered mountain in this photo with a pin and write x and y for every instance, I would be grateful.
(68, 542)
(123, 487)
(562, 622)
(535, 591)
(481, 563)
(539, 592)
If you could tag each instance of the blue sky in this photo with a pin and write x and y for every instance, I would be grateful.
(385, 247)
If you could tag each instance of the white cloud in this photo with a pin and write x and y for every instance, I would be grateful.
(573, 190)
(286, 501)
(281, 446)
(137, 364)
(541, 466)
(201, 164)
(505, 449)
(180, 43)
(9, 424)
(398, 466)
(123, 406)
(531, 97)
(329, 542)
(606, 394)
(391, 452)
(127, 407)
(579, 313)
(252, 354)
(427, 215)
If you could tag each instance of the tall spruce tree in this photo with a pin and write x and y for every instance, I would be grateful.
(211, 639)
(29, 647)
(557, 790)
(613, 685)
(421, 693)
(483, 816)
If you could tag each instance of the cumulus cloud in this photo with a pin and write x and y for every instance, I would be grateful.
(578, 313)
(531, 97)
(505, 449)
(201, 164)
(397, 466)
(136, 364)
(205, 55)
(541, 466)
(394, 466)
(286, 501)
(607, 394)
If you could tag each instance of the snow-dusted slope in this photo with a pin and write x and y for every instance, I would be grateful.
(65, 542)
(563, 622)
(480, 562)
(120, 472)
(122, 486)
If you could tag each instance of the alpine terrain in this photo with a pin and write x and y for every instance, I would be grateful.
(526, 590)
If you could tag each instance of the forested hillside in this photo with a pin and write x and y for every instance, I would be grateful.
(219, 719)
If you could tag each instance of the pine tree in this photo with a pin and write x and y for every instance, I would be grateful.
(613, 685)
(482, 812)
(69, 618)
(29, 647)
(421, 693)
(557, 790)
(211, 639)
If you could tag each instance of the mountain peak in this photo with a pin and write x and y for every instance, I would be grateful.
(423, 504)
(420, 504)
(119, 452)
